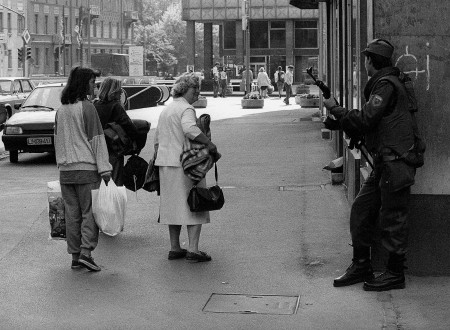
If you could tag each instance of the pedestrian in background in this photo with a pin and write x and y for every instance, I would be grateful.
(288, 81)
(110, 110)
(387, 126)
(223, 81)
(176, 123)
(279, 80)
(244, 79)
(263, 82)
(215, 76)
(82, 160)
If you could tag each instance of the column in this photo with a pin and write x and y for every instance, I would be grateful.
(208, 49)
(190, 37)
(240, 45)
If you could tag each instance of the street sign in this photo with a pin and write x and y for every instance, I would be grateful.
(26, 36)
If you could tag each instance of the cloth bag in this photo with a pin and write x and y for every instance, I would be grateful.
(109, 207)
(56, 212)
(206, 199)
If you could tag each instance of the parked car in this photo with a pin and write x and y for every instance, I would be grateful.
(32, 128)
(13, 90)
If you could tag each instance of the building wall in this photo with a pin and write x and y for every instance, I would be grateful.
(420, 35)
(221, 12)
(56, 48)
(11, 39)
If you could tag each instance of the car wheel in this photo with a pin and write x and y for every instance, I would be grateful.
(14, 156)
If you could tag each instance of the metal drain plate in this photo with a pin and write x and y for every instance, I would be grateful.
(252, 304)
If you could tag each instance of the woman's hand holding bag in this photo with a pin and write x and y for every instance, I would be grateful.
(109, 207)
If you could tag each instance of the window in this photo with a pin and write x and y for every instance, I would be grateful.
(118, 30)
(66, 24)
(229, 35)
(278, 34)
(9, 22)
(306, 34)
(56, 24)
(16, 87)
(9, 59)
(1, 21)
(259, 34)
(102, 29)
(36, 57)
(36, 23)
(47, 57)
(26, 86)
(110, 30)
(94, 29)
(45, 24)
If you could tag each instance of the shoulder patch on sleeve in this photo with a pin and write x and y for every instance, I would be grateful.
(377, 100)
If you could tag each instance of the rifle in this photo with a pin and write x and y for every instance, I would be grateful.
(332, 123)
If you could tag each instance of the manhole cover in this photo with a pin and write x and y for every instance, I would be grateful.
(252, 304)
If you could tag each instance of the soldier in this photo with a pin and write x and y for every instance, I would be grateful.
(387, 126)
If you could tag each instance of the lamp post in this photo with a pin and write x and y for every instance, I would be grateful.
(246, 29)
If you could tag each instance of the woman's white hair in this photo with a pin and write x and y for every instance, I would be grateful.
(183, 83)
(109, 87)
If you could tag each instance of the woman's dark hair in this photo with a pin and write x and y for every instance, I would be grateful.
(379, 61)
(77, 88)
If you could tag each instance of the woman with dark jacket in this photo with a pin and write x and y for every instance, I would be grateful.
(110, 110)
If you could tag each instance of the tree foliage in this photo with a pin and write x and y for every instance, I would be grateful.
(162, 32)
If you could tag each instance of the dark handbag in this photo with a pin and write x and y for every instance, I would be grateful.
(206, 199)
(134, 173)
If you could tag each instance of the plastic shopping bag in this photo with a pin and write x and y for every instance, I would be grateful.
(56, 211)
(109, 207)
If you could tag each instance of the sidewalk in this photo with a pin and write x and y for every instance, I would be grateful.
(283, 231)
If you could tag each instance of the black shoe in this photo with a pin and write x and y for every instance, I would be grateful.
(89, 263)
(177, 254)
(75, 264)
(197, 257)
(388, 280)
(357, 272)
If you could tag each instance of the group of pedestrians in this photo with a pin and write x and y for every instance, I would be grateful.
(220, 80)
(84, 159)
(283, 81)
(385, 123)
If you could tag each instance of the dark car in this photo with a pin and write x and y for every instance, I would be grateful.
(31, 129)
(13, 90)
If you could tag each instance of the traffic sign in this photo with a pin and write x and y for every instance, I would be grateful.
(26, 36)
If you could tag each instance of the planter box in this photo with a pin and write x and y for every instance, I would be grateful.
(200, 103)
(252, 103)
(306, 103)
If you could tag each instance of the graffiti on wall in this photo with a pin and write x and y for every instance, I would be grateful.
(410, 65)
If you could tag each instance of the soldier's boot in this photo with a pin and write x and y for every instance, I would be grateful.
(359, 271)
(392, 278)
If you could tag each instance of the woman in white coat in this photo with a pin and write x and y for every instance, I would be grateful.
(176, 123)
(263, 82)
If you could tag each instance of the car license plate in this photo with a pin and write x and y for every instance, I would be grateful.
(39, 140)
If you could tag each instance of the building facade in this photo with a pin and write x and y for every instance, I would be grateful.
(63, 33)
(12, 23)
(280, 34)
(420, 35)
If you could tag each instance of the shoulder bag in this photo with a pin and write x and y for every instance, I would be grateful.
(206, 199)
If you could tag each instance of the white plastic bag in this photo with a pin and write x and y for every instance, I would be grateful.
(109, 207)
(56, 214)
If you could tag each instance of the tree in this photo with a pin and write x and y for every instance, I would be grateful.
(162, 32)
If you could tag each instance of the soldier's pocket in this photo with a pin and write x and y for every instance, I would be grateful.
(397, 175)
